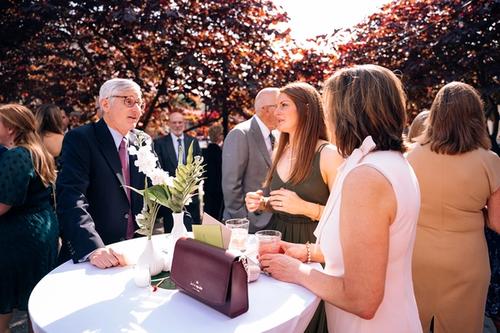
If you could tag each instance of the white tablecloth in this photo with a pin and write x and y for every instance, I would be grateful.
(83, 298)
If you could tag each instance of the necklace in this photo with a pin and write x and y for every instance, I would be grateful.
(290, 158)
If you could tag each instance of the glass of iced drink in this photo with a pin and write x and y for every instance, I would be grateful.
(239, 233)
(269, 241)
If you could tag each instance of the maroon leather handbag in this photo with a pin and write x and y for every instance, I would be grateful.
(211, 275)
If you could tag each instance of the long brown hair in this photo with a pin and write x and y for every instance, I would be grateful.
(365, 100)
(22, 121)
(49, 119)
(311, 128)
(457, 123)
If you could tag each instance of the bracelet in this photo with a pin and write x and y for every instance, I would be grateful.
(308, 248)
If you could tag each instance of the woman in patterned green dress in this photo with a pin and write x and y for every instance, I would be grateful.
(28, 226)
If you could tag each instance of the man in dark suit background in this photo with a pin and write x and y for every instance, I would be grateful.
(93, 206)
(167, 149)
(212, 156)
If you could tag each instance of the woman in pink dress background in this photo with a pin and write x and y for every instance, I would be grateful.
(367, 231)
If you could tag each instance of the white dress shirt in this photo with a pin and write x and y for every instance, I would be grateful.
(265, 134)
(176, 144)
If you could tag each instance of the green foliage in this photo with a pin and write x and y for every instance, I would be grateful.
(431, 43)
(63, 51)
(185, 184)
(175, 196)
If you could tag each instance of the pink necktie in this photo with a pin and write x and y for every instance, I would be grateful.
(122, 151)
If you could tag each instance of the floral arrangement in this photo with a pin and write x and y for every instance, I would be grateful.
(165, 190)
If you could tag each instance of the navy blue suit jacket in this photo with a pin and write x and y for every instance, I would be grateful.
(92, 205)
(165, 151)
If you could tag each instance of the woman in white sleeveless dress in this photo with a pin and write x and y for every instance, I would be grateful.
(367, 231)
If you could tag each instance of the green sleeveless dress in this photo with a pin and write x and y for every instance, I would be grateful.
(28, 231)
(300, 228)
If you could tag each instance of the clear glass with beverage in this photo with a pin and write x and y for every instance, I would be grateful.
(239, 233)
(268, 241)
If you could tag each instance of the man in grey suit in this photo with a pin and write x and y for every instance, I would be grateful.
(246, 159)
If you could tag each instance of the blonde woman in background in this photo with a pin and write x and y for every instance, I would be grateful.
(28, 225)
(458, 178)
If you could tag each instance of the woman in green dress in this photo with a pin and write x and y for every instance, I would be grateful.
(303, 169)
(302, 173)
(28, 226)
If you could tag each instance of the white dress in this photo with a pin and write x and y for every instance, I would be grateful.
(398, 311)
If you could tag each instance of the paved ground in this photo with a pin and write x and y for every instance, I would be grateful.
(19, 323)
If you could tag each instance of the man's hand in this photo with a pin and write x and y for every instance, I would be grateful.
(106, 257)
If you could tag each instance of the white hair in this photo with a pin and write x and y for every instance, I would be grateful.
(258, 103)
(110, 87)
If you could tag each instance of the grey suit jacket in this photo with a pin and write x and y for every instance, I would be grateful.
(245, 163)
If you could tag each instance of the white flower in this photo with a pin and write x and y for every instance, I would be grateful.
(132, 150)
(148, 141)
(170, 181)
(146, 165)
(159, 177)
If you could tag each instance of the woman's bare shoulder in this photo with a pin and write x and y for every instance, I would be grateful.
(330, 153)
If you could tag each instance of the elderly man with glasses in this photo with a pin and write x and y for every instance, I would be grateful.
(94, 207)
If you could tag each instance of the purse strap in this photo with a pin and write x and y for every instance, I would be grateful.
(244, 261)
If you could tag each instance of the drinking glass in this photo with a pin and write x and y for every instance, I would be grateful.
(239, 233)
(268, 241)
(142, 277)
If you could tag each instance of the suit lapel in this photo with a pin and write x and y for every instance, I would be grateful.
(259, 140)
(109, 151)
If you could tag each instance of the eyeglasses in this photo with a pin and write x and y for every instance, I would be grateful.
(130, 101)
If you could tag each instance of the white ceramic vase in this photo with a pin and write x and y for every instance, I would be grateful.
(178, 231)
(152, 258)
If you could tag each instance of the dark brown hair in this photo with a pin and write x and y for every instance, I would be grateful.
(456, 123)
(361, 101)
(311, 128)
(49, 119)
(22, 121)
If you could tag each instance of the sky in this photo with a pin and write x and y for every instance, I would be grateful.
(309, 18)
